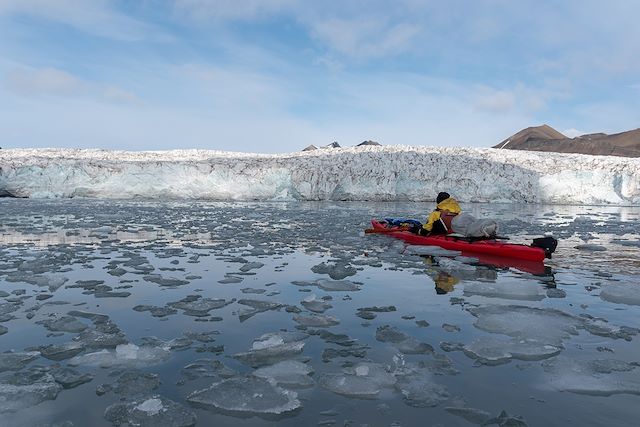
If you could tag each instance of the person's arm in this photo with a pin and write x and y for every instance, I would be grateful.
(433, 217)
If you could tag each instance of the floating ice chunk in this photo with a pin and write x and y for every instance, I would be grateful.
(64, 324)
(156, 411)
(621, 293)
(474, 416)
(403, 342)
(340, 339)
(506, 420)
(94, 317)
(467, 259)
(230, 280)
(431, 250)
(129, 355)
(51, 281)
(376, 372)
(162, 281)
(556, 293)
(317, 320)
(250, 394)
(207, 368)
(450, 328)
(136, 383)
(419, 390)
(70, 378)
(14, 361)
(251, 266)
(337, 285)
(350, 385)
(257, 306)
(632, 243)
(63, 351)
(156, 311)
(547, 326)
(270, 349)
(509, 290)
(109, 336)
(195, 305)
(490, 350)
(601, 377)
(312, 303)
(603, 328)
(7, 308)
(117, 272)
(151, 406)
(273, 339)
(338, 271)
(591, 247)
(439, 365)
(452, 265)
(252, 291)
(288, 373)
(17, 397)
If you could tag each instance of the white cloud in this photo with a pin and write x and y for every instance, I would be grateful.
(119, 95)
(225, 88)
(572, 133)
(45, 81)
(238, 110)
(36, 82)
(495, 101)
(96, 17)
(519, 97)
(365, 38)
(222, 10)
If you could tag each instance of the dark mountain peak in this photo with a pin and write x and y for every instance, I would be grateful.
(542, 132)
(368, 142)
(545, 138)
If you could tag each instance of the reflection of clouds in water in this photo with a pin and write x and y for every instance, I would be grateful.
(67, 237)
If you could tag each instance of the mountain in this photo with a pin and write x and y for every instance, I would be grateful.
(368, 142)
(545, 138)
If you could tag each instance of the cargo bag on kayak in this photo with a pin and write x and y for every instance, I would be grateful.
(547, 243)
(469, 226)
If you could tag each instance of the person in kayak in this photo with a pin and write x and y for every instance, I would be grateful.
(439, 221)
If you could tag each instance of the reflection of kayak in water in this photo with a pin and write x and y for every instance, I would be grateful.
(534, 267)
(490, 251)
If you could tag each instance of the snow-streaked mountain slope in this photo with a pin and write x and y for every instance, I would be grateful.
(359, 173)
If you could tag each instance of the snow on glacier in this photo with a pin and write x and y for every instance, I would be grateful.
(357, 173)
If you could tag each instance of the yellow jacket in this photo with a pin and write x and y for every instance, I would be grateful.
(450, 205)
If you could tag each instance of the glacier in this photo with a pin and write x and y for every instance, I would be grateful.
(375, 173)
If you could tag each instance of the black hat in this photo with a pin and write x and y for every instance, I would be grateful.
(442, 196)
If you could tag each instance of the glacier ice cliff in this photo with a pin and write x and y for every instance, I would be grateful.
(388, 173)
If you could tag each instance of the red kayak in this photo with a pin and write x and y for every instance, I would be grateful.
(489, 247)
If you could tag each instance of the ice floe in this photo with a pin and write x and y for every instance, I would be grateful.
(249, 394)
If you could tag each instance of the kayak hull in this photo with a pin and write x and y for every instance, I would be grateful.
(489, 247)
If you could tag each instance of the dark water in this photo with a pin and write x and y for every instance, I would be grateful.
(412, 340)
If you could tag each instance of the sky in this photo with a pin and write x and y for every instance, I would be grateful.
(275, 76)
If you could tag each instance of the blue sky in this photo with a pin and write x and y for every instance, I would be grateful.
(277, 75)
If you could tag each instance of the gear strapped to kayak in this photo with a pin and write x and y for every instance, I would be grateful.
(540, 249)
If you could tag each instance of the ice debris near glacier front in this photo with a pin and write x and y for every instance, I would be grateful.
(359, 173)
(250, 395)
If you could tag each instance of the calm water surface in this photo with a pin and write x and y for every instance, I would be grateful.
(287, 314)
